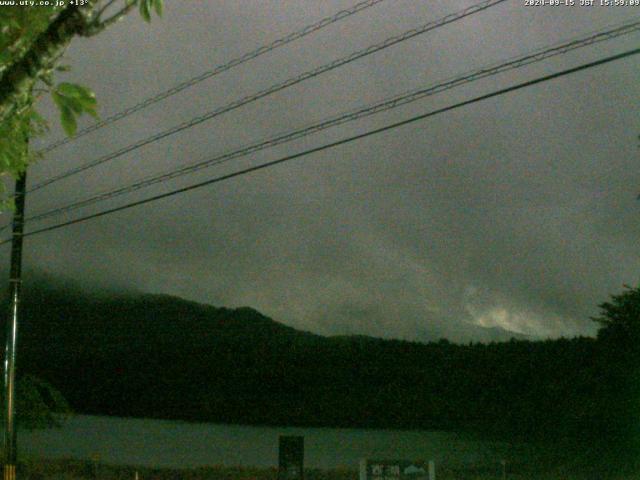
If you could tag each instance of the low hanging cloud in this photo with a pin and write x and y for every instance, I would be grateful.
(517, 213)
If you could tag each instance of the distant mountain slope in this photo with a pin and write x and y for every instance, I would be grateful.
(165, 357)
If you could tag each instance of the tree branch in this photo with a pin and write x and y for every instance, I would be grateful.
(97, 26)
(19, 78)
(99, 13)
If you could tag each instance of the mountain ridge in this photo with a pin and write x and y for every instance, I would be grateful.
(160, 356)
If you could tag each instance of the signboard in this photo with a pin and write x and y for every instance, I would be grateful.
(394, 470)
(291, 458)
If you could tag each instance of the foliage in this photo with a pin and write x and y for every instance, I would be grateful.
(19, 28)
(620, 317)
(619, 362)
(147, 5)
(32, 42)
(39, 404)
(73, 100)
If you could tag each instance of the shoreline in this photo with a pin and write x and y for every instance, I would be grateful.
(73, 469)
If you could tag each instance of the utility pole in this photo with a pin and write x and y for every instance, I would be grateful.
(15, 283)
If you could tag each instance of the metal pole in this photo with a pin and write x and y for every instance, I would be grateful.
(15, 282)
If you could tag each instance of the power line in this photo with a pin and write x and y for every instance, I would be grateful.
(309, 29)
(514, 63)
(275, 88)
(337, 143)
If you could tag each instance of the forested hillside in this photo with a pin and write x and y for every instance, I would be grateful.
(164, 357)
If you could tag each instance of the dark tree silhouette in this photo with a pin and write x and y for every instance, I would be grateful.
(619, 369)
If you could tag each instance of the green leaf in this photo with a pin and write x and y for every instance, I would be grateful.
(70, 89)
(73, 100)
(92, 112)
(158, 6)
(85, 96)
(70, 103)
(145, 10)
(58, 99)
(68, 119)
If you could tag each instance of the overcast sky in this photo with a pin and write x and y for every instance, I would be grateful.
(517, 212)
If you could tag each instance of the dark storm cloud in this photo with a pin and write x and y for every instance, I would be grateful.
(517, 212)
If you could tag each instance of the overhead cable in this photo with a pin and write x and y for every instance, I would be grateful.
(309, 29)
(405, 98)
(273, 89)
(327, 146)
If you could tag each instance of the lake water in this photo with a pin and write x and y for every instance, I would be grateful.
(159, 443)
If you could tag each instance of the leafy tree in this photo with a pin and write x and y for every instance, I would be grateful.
(620, 318)
(619, 370)
(32, 43)
(40, 405)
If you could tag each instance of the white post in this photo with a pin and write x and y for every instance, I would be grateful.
(432, 470)
(363, 469)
